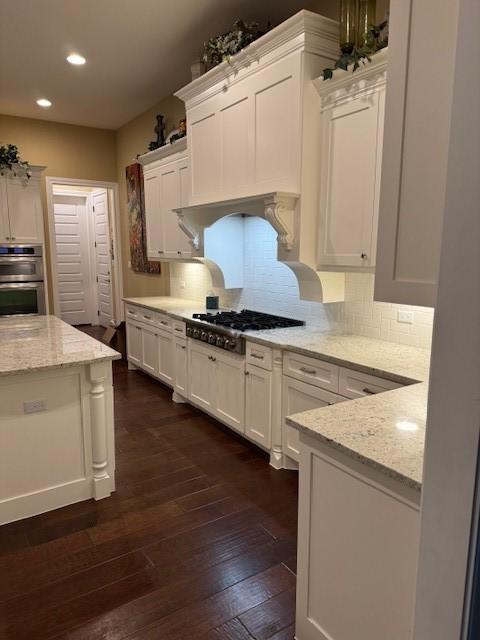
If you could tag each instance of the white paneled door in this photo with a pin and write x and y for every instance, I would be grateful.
(102, 257)
(72, 259)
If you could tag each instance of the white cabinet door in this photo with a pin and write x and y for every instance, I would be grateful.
(184, 248)
(230, 389)
(166, 362)
(153, 218)
(181, 366)
(201, 383)
(149, 351)
(25, 211)
(134, 344)
(414, 166)
(297, 397)
(258, 405)
(352, 136)
(4, 221)
(169, 196)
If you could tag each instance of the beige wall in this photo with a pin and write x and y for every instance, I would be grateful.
(68, 151)
(133, 139)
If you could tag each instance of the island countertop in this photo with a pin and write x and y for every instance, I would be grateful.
(38, 343)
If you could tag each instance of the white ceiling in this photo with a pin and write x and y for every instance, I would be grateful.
(137, 51)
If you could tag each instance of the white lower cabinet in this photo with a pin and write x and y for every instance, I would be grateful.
(230, 389)
(201, 389)
(357, 561)
(217, 383)
(258, 405)
(297, 397)
(166, 361)
(149, 361)
(134, 344)
(151, 350)
(181, 366)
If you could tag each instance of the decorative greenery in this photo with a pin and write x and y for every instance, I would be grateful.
(377, 38)
(12, 164)
(222, 48)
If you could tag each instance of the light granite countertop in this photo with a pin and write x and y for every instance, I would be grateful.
(373, 430)
(385, 432)
(38, 343)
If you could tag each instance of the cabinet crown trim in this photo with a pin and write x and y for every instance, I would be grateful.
(163, 152)
(305, 30)
(346, 83)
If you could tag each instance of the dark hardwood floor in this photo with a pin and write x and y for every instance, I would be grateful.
(198, 541)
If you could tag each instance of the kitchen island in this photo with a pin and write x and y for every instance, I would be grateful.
(56, 417)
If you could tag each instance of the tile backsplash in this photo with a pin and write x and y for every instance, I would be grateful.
(271, 286)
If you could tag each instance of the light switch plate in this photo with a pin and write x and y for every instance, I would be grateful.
(34, 406)
(405, 316)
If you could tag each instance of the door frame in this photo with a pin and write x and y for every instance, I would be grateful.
(117, 271)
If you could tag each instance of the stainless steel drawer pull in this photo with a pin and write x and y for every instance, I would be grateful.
(257, 356)
(163, 322)
(147, 317)
(177, 329)
(311, 372)
(369, 391)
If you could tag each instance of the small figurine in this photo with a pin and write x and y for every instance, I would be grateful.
(160, 131)
(179, 132)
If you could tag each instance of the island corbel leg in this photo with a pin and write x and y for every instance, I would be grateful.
(102, 482)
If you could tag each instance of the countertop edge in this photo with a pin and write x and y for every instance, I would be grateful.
(355, 455)
(62, 365)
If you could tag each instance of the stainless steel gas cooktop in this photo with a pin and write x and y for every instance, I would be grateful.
(226, 327)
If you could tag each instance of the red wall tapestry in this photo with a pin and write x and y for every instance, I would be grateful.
(136, 217)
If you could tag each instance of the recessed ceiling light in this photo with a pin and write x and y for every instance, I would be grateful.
(76, 59)
(43, 102)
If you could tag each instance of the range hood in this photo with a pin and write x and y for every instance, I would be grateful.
(215, 233)
(253, 130)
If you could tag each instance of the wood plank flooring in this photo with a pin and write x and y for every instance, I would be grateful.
(198, 541)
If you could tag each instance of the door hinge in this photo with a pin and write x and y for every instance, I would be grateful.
(95, 243)
(97, 278)
(93, 208)
(98, 312)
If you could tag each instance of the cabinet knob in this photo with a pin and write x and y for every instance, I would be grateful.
(160, 252)
(179, 253)
(13, 238)
(363, 256)
(247, 373)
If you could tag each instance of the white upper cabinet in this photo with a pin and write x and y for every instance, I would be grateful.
(417, 123)
(21, 215)
(167, 187)
(248, 119)
(352, 114)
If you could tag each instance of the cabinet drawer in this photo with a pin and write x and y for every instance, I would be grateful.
(163, 322)
(131, 313)
(259, 356)
(353, 384)
(147, 317)
(178, 328)
(312, 370)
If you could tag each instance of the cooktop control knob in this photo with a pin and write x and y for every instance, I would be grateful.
(211, 338)
(196, 333)
(188, 331)
(204, 336)
(220, 341)
(230, 344)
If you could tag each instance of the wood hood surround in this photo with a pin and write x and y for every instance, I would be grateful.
(253, 146)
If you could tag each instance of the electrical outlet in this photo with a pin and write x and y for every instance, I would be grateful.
(182, 284)
(406, 317)
(34, 406)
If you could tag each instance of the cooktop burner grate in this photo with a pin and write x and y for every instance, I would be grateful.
(247, 320)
